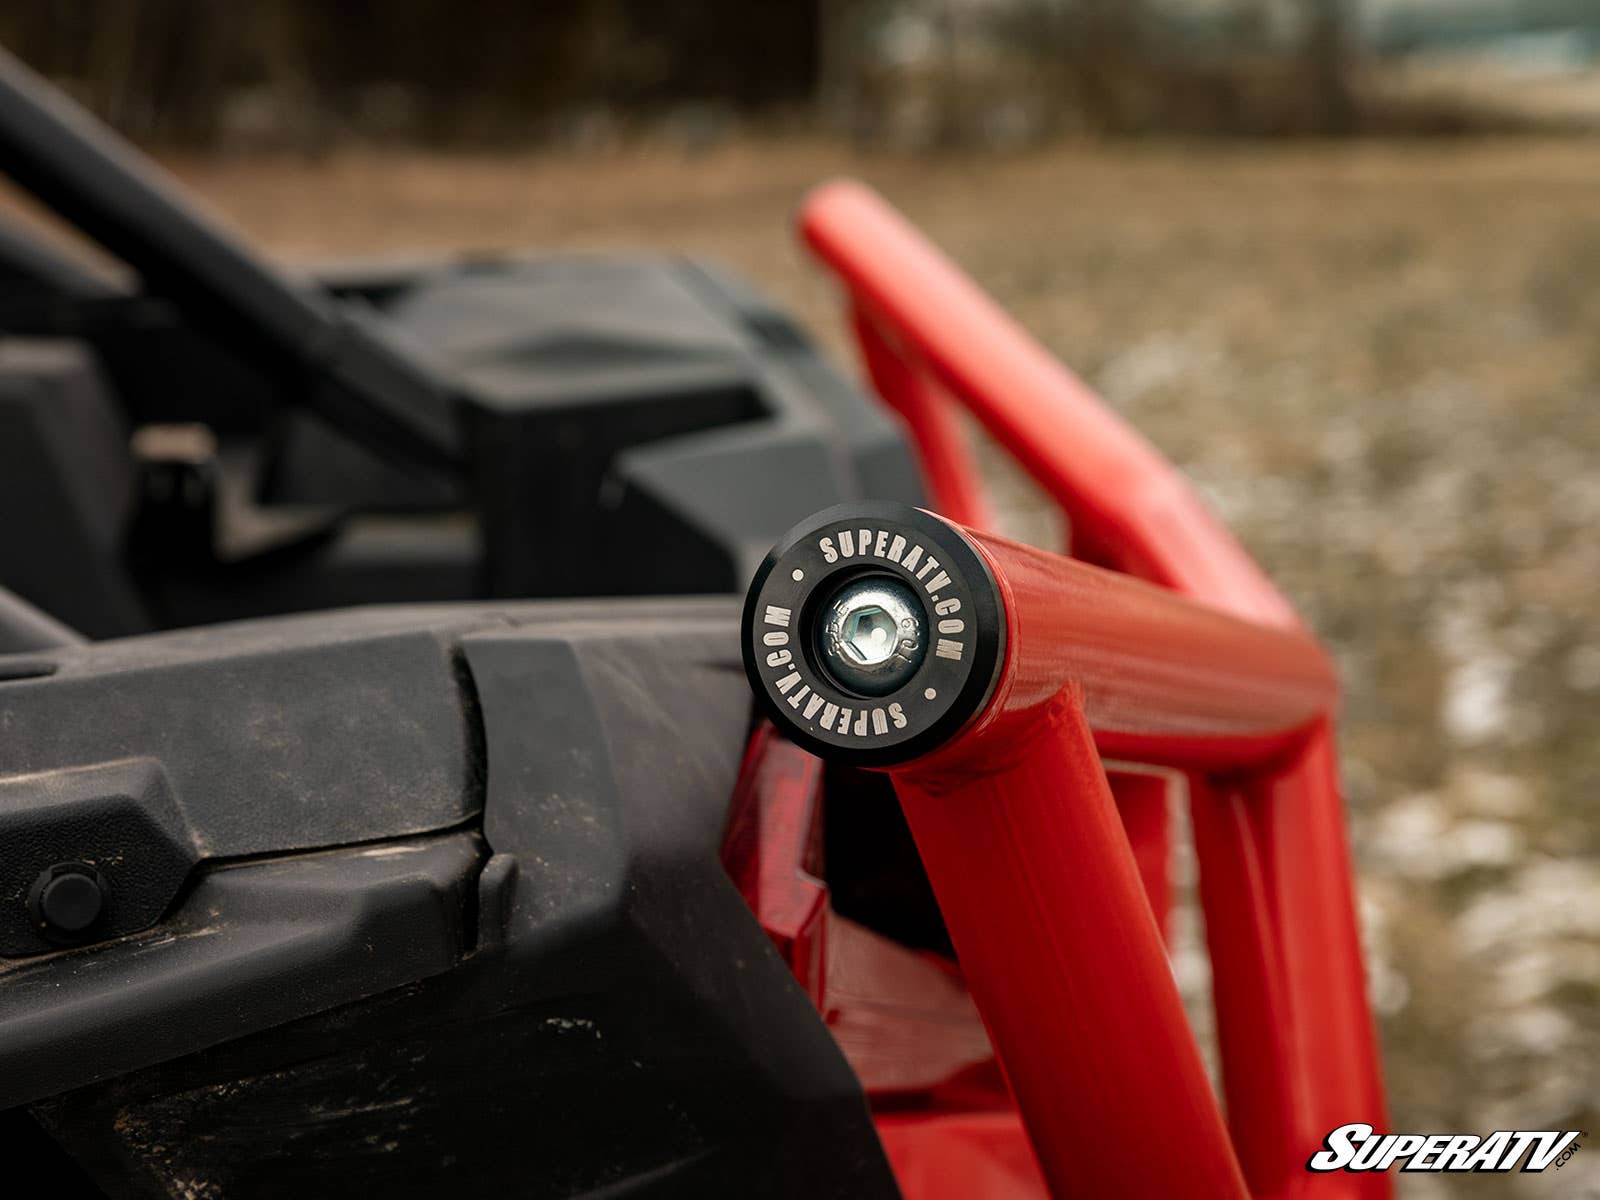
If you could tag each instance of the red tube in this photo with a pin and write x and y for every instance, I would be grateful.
(1144, 801)
(1048, 916)
(1281, 918)
(1295, 817)
(1249, 996)
(1160, 679)
(956, 490)
(1122, 497)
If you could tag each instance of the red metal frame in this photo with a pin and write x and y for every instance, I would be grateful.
(1015, 820)
(904, 1019)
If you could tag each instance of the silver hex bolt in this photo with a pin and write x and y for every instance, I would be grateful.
(871, 635)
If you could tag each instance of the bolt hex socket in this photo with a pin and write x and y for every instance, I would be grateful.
(871, 636)
(873, 632)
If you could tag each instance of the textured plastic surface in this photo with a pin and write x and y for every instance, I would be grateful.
(536, 999)
(270, 737)
(254, 946)
(120, 817)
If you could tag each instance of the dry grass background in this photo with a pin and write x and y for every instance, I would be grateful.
(1380, 362)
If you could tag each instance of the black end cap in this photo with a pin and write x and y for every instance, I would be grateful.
(964, 617)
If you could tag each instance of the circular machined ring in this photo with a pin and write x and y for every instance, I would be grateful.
(873, 632)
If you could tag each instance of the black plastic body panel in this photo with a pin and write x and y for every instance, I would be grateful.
(253, 946)
(272, 736)
(632, 425)
(397, 901)
(558, 992)
(67, 488)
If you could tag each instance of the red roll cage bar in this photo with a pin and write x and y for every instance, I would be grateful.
(1050, 871)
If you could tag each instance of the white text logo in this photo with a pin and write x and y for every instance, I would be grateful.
(1354, 1147)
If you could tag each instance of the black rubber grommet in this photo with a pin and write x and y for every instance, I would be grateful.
(68, 901)
(962, 610)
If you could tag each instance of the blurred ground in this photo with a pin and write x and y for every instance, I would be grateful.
(1380, 362)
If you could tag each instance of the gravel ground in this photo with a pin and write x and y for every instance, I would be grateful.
(1380, 363)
